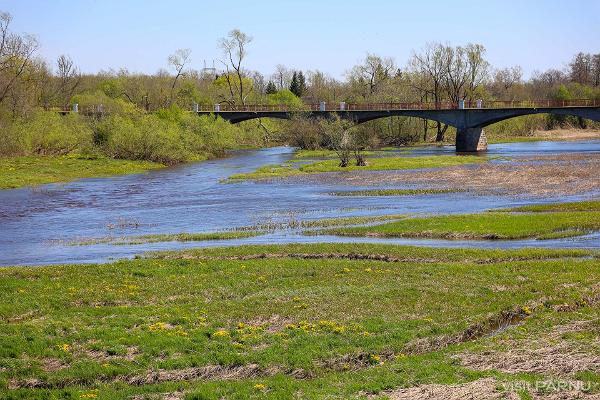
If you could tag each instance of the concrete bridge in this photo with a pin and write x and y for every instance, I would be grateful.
(469, 119)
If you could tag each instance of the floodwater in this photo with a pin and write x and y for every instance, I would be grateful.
(37, 224)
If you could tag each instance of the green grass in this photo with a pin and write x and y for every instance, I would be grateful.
(491, 225)
(324, 327)
(374, 164)
(171, 237)
(591, 205)
(323, 153)
(394, 192)
(29, 171)
(516, 139)
(395, 163)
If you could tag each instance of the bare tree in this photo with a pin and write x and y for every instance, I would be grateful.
(581, 69)
(234, 49)
(596, 69)
(178, 61)
(16, 53)
(373, 72)
(282, 76)
(506, 78)
(69, 78)
(478, 67)
(429, 70)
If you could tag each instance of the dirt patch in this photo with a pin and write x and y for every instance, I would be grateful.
(494, 324)
(209, 372)
(490, 388)
(103, 356)
(53, 364)
(159, 396)
(548, 354)
(568, 134)
(326, 256)
(354, 362)
(272, 324)
(480, 389)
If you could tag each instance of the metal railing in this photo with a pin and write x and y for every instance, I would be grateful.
(444, 105)
(342, 106)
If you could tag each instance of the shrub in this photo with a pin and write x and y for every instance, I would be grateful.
(49, 133)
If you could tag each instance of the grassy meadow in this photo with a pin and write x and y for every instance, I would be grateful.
(291, 321)
(30, 171)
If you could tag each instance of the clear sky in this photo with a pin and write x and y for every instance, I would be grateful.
(328, 35)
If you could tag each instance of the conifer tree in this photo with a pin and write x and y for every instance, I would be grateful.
(271, 89)
(301, 84)
(294, 88)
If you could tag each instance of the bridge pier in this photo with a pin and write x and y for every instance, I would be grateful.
(470, 140)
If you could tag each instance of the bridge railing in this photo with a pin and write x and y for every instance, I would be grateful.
(444, 105)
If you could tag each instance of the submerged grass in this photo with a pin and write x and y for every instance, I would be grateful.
(591, 205)
(394, 192)
(374, 164)
(275, 322)
(493, 225)
(28, 171)
(170, 237)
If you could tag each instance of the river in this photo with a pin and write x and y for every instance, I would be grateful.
(37, 224)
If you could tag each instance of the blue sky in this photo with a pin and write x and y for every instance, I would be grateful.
(330, 36)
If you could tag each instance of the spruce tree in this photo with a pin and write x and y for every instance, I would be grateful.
(301, 84)
(294, 88)
(271, 89)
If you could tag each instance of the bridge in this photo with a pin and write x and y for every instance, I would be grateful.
(469, 118)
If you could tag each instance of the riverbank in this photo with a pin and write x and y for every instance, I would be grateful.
(17, 172)
(269, 321)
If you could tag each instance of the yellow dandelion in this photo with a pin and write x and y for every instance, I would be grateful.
(259, 386)
(64, 347)
(221, 333)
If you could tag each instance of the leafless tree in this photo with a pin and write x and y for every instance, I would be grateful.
(596, 69)
(234, 49)
(178, 61)
(429, 70)
(506, 78)
(282, 77)
(16, 54)
(69, 78)
(581, 68)
(373, 72)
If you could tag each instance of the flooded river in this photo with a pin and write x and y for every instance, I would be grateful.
(37, 224)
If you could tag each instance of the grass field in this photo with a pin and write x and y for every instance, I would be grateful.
(374, 164)
(295, 321)
(492, 225)
(29, 171)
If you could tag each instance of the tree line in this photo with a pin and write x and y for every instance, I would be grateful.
(438, 72)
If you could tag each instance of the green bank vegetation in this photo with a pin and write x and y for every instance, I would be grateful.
(29, 171)
(328, 320)
(132, 116)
